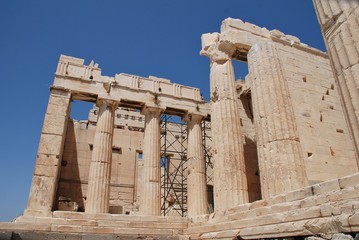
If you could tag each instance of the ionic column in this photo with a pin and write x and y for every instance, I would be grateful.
(150, 199)
(49, 155)
(339, 22)
(230, 182)
(98, 191)
(196, 180)
(281, 161)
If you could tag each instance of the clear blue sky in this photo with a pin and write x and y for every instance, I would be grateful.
(160, 38)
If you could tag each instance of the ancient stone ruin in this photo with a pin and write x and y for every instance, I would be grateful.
(272, 156)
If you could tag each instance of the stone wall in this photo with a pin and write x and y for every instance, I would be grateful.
(323, 133)
(127, 145)
(339, 22)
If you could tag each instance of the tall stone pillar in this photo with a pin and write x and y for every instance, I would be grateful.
(98, 191)
(197, 202)
(281, 161)
(230, 182)
(150, 199)
(339, 22)
(49, 155)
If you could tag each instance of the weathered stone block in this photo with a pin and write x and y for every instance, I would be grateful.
(42, 193)
(349, 181)
(284, 207)
(277, 199)
(348, 193)
(116, 209)
(47, 160)
(46, 170)
(67, 205)
(299, 194)
(243, 215)
(54, 124)
(58, 105)
(327, 210)
(324, 225)
(50, 144)
(259, 203)
(325, 187)
(24, 226)
(66, 228)
(209, 39)
(94, 229)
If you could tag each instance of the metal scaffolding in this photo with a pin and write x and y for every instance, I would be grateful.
(174, 164)
(207, 145)
(207, 152)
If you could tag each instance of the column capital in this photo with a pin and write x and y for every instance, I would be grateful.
(107, 102)
(220, 52)
(195, 117)
(150, 109)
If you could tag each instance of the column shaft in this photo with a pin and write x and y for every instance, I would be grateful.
(98, 192)
(230, 182)
(196, 181)
(150, 199)
(281, 159)
(49, 155)
(339, 22)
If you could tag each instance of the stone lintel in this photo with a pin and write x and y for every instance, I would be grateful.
(58, 89)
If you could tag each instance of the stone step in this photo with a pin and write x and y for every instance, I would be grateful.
(31, 235)
(299, 199)
(333, 204)
(117, 217)
(77, 222)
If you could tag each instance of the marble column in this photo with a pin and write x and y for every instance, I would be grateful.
(48, 163)
(280, 156)
(197, 202)
(339, 22)
(98, 191)
(150, 198)
(230, 182)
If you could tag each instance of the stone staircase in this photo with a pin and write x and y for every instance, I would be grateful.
(113, 226)
(328, 207)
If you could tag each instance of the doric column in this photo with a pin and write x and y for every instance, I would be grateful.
(98, 191)
(150, 199)
(230, 182)
(339, 22)
(48, 162)
(196, 180)
(281, 161)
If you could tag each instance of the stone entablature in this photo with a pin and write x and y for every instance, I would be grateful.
(241, 36)
(86, 83)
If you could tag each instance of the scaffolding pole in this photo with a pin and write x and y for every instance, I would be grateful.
(173, 166)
